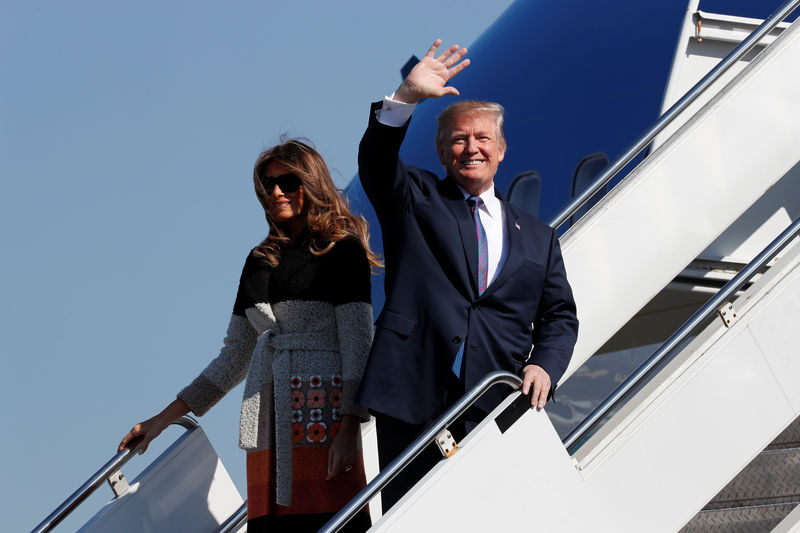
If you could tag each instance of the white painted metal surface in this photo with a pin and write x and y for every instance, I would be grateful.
(704, 40)
(790, 524)
(369, 446)
(699, 49)
(185, 489)
(682, 197)
(679, 440)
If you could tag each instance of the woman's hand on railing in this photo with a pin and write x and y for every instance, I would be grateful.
(152, 427)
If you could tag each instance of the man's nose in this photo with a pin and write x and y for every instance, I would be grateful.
(472, 145)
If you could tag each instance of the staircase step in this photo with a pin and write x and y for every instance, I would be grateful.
(761, 495)
(789, 438)
(757, 519)
(772, 477)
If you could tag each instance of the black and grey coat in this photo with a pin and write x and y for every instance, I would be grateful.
(299, 332)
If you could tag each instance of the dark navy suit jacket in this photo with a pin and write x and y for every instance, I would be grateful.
(432, 302)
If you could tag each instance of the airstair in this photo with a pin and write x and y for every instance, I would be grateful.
(685, 194)
(723, 395)
(718, 393)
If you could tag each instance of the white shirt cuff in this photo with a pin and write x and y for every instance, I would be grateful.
(394, 113)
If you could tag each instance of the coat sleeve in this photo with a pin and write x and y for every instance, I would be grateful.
(352, 296)
(556, 325)
(380, 169)
(230, 367)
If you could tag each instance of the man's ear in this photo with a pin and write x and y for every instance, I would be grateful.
(440, 153)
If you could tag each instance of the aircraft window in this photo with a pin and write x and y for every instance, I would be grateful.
(524, 192)
(588, 169)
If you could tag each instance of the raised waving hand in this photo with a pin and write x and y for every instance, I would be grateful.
(429, 77)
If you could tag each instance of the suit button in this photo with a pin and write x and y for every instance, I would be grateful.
(475, 307)
(457, 340)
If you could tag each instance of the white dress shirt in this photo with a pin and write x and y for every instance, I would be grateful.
(491, 213)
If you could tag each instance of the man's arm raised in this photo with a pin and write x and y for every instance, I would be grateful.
(380, 169)
(429, 77)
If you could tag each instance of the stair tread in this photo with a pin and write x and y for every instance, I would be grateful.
(753, 519)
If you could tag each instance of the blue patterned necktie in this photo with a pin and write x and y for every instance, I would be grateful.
(475, 203)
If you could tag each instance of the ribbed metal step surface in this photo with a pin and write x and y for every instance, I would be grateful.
(761, 519)
(761, 495)
(772, 477)
(789, 438)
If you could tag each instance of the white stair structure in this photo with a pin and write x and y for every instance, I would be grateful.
(674, 445)
(186, 488)
(719, 402)
(684, 195)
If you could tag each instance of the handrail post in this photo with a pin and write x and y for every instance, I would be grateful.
(416, 447)
(627, 156)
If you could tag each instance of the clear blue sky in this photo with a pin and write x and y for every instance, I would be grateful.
(127, 138)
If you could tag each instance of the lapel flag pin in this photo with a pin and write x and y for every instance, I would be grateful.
(516, 225)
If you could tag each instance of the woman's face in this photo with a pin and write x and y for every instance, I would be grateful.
(285, 207)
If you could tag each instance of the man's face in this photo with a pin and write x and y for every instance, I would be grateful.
(470, 151)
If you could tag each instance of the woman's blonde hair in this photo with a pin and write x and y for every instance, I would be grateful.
(328, 218)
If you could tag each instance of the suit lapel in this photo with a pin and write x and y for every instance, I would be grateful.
(515, 248)
(454, 200)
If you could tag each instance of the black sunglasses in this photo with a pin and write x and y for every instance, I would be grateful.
(287, 182)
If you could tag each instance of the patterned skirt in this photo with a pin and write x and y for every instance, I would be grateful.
(315, 421)
(312, 493)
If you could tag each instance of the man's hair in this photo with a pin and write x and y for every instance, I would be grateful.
(465, 107)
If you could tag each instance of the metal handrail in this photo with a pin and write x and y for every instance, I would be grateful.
(677, 338)
(416, 447)
(234, 521)
(609, 172)
(102, 475)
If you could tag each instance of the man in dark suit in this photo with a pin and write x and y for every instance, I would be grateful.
(473, 284)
